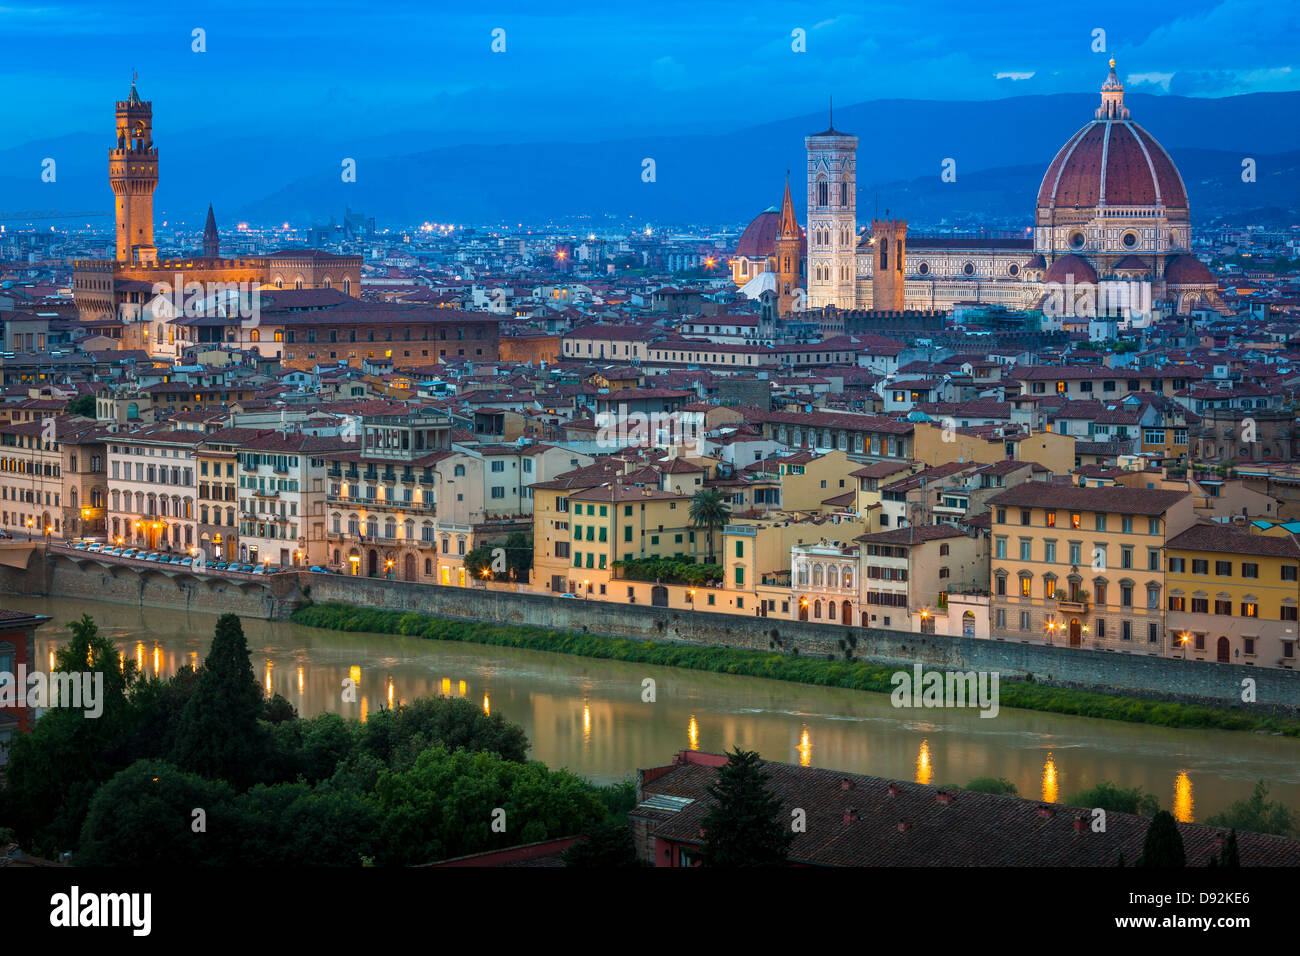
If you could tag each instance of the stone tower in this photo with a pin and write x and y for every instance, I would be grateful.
(832, 218)
(889, 247)
(133, 174)
(211, 239)
(786, 250)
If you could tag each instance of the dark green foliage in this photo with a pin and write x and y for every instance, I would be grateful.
(399, 735)
(518, 548)
(278, 710)
(1257, 814)
(83, 405)
(444, 805)
(144, 816)
(746, 825)
(709, 511)
(791, 667)
(54, 770)
(999, 785)
(1163, 847)
(670, 571)
(604, 845)
(1112, 798)
(219, 735)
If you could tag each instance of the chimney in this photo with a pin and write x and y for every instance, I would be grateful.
(943, 796)
(894, 790)
(1046, 811)
(1080, 824)
(846, 784)
(850, 815)
(904, 826)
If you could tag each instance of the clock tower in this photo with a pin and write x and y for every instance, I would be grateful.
(133, 174)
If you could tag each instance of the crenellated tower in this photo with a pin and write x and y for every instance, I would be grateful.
(133, 175)
(889, 251)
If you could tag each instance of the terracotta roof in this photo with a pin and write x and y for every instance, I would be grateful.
(1229, 539)
(1134, 501)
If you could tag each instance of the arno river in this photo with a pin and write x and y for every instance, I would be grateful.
(588, 715)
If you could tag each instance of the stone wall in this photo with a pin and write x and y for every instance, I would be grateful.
(276, 596)
(91, 580)
(1133, 674)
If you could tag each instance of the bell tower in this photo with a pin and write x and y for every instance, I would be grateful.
(786, 251)
(133, 174)
(832, 218)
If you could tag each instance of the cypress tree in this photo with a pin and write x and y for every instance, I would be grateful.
(1163, 846)
(746, 825)
(219, 736)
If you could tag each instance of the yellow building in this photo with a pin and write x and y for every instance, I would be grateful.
(936, 445)
(1232, 595)
(1083, 567)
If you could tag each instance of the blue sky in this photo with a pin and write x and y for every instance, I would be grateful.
(588, 71)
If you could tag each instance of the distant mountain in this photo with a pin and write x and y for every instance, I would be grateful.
(1001, 148)
(1213, 179)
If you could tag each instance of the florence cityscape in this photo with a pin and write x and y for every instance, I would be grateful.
(718, 437)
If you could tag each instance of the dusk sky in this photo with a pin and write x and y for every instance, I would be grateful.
(586, 71)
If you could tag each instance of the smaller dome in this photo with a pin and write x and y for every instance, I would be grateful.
(1074, 269)
(1037, 262)
(759, 238)
(1187, 270)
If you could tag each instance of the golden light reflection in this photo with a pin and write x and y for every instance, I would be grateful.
(269, 665)
(693, 733)
(300, 680)
(139, 655)
(923, 769)
(1184, 808)
(461, 688)
(805, 747)
(487, 705)
(157, 660)
(354, 672)
(1050, 793)
(390, 693)
(586, 723)
(52, 660)
(446, 687)
(365, 708)
(121, 661)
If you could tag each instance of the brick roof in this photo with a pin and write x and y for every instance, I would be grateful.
(1117, 500)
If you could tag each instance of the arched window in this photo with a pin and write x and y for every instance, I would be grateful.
(818, 574)
(848, 577)
(832, 577)
(458, 471)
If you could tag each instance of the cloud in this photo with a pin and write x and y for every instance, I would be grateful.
(1149, 79)
(1014, 76)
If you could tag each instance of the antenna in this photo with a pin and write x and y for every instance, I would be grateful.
(832, 110)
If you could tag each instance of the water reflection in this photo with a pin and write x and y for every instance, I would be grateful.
(1049, 780)
(1184, 805)
(589, 716)
(924, 771)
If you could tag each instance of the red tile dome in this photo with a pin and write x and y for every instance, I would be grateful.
(1187, 270)
(1112, 161)
(1074, 269)
(759, 238)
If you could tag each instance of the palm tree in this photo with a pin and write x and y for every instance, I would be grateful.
(709, 510)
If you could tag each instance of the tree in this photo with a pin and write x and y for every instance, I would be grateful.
(53, 771)
(1115, 799)
(605, 845)
(219, 735)
(1163, 846)
(999, 785)
(709, 510)
(745, 826)
(144, 816)
(83, 405)
(1256, 814)
(399, 735)
(509, 560)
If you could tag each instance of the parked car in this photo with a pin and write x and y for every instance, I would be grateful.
(567, 595)
(220, 566)
(129, 553)
(5, 534)
(317, 569)
(95, 547)
(80, 545)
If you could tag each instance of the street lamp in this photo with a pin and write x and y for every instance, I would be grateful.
(692, 594)
(586, 589)
(1051, 630)
(1182, 639)
(30, 523)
